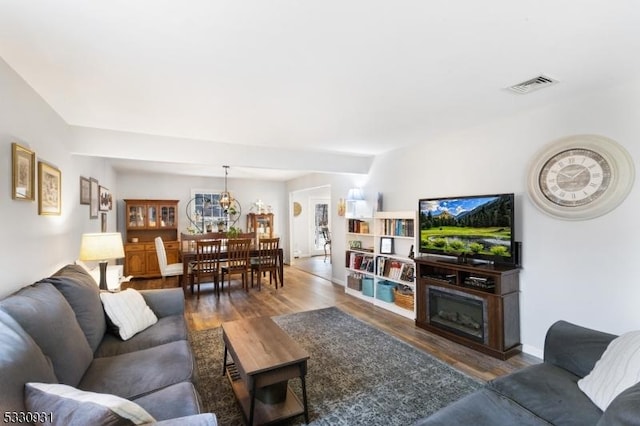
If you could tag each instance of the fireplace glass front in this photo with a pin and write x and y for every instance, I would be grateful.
(458, 312)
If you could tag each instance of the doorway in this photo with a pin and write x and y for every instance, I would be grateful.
(309, 225)
(320, 225)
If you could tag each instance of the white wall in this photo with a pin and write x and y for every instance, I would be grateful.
(583, 272)
(36, 246)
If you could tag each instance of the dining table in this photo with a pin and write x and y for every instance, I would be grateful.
(188, 255)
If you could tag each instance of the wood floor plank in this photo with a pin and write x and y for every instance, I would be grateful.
(304, 292)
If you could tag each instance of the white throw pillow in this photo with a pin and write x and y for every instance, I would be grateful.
(65, 405)
(128, 311)
(617, 370)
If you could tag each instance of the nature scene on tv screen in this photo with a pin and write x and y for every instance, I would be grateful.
(467, 225)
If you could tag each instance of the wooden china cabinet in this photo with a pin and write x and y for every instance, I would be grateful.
(260, 224)
(146, 220)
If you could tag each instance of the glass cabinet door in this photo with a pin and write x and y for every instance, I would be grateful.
(167, 217)
(260, 224)
(136, 216)
(264, 226)
(152, 217)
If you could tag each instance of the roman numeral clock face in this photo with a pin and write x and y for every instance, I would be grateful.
(575, 177)
(580, 177)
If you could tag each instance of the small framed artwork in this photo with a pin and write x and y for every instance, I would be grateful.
(103, 222)
(24, 173)
(106, 202)
(85, 191)
(95, 197)
(50, 189)
(355, 244)
(386, 245)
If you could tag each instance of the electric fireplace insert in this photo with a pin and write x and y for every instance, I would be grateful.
(458, 312)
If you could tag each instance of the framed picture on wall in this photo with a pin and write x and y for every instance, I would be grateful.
(85, 190)
(106, 201)
(23, 173)
(103, 222)
(50, 189)
(95, 197)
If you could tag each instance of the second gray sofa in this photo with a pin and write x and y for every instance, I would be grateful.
(546, 393)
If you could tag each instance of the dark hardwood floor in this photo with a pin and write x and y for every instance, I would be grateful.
(304, 292)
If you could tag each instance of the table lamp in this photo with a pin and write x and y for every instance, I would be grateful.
(101, 247)
(355, 194)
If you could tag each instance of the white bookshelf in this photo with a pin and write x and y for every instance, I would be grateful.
(397, 228)
(360, 243)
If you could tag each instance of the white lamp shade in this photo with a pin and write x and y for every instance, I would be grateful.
(355, 194)
(101, 246)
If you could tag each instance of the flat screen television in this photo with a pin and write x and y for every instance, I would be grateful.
(470, 227)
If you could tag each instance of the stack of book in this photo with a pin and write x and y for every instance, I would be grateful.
(398, 227)
(359, 261)
(395, 269)
(357, 226)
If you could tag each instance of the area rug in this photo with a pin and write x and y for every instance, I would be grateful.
(357, 374)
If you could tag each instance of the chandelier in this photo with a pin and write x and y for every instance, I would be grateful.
(225, 196)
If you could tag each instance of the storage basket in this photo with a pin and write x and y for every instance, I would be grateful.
(367, 286)
(384, 291)
(404, 300)
(354, 282)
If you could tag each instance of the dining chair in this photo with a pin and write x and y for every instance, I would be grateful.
(237, 260)
(266, 260)
(326, 236)
(207, 263)
(167, 269)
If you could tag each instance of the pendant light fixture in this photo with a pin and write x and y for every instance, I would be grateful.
(225, 197)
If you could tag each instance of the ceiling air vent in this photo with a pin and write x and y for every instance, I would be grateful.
(536, 83)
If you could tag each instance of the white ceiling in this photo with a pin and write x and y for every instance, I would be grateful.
(341, 77)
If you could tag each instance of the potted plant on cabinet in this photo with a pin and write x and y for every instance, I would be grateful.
(233, 232)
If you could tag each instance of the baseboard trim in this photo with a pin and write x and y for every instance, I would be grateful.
(532, 350)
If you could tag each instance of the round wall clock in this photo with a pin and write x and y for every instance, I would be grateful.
(580, 177)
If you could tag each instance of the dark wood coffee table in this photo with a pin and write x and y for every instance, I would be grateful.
(264, 359)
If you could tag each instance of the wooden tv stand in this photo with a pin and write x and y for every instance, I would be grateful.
(497, 287)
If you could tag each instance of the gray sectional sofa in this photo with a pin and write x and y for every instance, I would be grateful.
(546, 393)
(55, 331)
